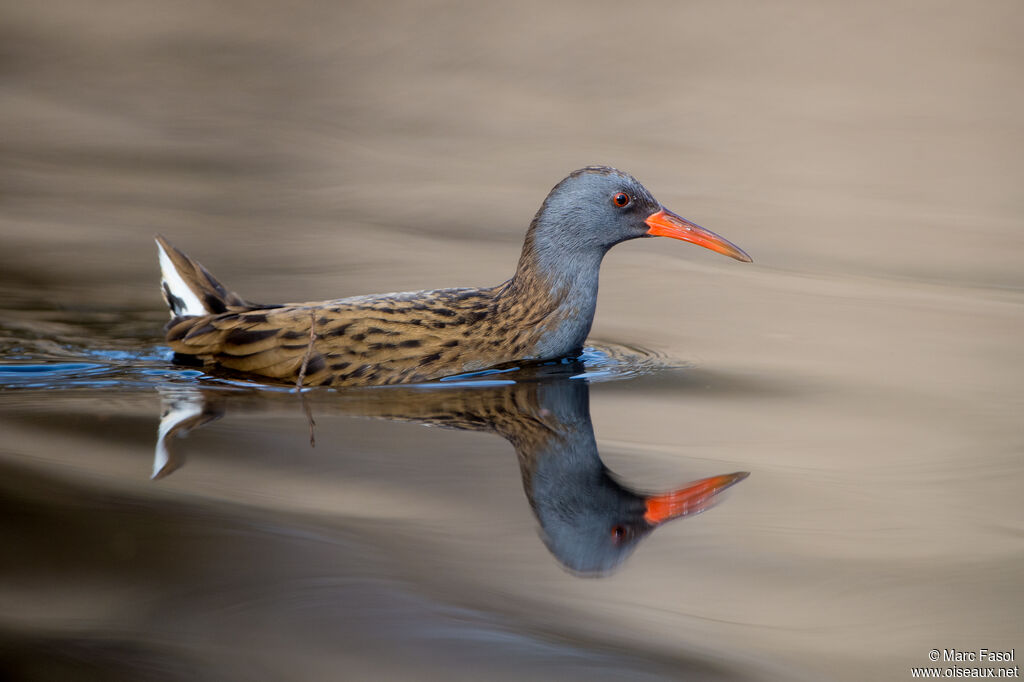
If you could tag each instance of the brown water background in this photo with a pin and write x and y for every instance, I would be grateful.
(866, 369)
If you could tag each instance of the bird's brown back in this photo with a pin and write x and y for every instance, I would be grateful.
(384, 339)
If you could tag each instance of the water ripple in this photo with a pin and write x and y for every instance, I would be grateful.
(105, 368)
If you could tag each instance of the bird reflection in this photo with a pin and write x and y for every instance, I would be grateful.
(589, 520)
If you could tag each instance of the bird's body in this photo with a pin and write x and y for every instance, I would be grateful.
(544, 311)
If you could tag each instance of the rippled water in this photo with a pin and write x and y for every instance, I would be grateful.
(74, 367)
(158, 522)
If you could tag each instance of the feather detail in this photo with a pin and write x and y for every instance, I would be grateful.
(188, 288)
(385, 339)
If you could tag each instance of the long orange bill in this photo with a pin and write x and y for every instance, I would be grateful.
(693, 499)
(665, 223)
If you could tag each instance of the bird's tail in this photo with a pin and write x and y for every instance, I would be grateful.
(189, 289)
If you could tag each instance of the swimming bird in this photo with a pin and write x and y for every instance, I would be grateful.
(544, 311)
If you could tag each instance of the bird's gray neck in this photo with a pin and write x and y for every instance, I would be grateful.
(557, 283)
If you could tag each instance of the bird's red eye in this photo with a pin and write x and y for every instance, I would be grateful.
(618, 534)
(621, 199)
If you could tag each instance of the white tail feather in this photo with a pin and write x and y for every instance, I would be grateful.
(185, 301)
